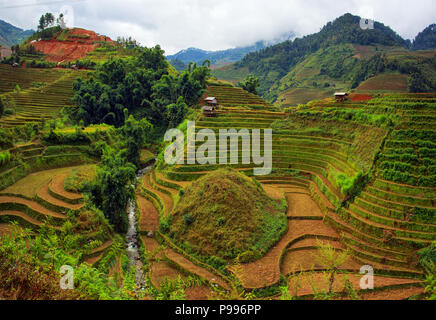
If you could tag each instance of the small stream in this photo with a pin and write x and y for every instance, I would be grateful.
(132, 236)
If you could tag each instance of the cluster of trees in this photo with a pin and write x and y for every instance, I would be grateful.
(143, 86)
(112, 189)
(120, 92)
(250, 83)
(127, 42)
(48, 20)
(372, 66)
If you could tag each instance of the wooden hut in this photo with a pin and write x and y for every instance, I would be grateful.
(211, 101)
(341, 96)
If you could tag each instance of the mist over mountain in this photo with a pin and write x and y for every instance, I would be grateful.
(222, 57)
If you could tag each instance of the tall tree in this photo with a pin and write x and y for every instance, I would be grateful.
(134, 134)
(176, 112)
(112, 189)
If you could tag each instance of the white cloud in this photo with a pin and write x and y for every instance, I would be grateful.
(220, 24)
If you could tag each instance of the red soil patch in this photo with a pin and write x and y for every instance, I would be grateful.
(360, 97)
(73, 48)
(149, 215)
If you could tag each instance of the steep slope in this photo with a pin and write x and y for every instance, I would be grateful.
(10, 35)
(70, 44)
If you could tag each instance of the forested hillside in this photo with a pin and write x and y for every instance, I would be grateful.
(10, 35)
(426, 39)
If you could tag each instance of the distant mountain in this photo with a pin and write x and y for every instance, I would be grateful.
(273, 63)
(10, 35)
(426, 39)
(222, 57)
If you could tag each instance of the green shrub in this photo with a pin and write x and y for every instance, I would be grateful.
(188, 218)
(5, 158)
(216, 262)
(8, 112)
(352, 187)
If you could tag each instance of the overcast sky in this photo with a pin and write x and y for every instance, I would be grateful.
(216, 24)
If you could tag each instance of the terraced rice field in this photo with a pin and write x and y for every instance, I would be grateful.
(31, 201)
(232, 96)
(26, 78)
(34, 103)
(375, 228)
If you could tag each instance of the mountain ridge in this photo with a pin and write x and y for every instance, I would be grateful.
(317, 65)
(11, 35)
(223, 57)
